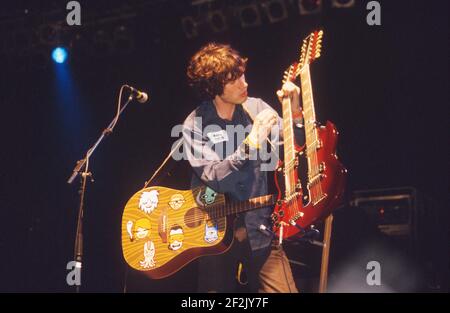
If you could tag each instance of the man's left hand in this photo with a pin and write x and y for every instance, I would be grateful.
(292, 91)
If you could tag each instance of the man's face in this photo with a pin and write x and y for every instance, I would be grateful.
(235, 92)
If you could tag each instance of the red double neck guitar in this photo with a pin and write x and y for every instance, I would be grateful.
(300, 205)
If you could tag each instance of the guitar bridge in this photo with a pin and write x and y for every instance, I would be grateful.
(315, 179)
(162, 225)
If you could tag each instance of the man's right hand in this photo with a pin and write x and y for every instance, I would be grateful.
(262, 126)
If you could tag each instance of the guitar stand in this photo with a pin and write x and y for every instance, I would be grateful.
(325, 245)
(325, 254)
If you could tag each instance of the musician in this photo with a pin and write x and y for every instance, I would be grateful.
(234, 167)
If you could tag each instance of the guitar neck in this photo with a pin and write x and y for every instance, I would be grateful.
(289, 147)
(218, 211)
(309, 113)
(288, 131)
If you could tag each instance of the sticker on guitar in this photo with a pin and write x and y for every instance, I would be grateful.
(206, 197)
(148, 201)
(149, 254)
(139, 230)
(211, 232)
(176, 236)
(176, 201)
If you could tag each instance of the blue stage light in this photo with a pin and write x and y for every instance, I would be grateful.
(59, 55)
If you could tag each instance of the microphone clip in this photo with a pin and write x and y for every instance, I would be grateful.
(140, 96)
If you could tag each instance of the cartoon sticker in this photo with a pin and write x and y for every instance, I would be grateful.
(130, 229)
(176, 237)
(162, 224)
(149, 254)
(210, 232)
(208, 196)
(148, 201)
(140, 229)
(176, 201)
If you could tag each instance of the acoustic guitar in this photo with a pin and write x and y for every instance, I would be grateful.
(164, 229)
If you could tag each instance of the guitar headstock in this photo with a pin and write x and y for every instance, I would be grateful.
(310, 51)
(290, 73)
(311, 48)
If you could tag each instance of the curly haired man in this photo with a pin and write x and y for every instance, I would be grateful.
(221, 158)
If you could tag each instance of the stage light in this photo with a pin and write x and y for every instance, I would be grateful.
(190, 27)
(217, 21)
(249, 15)
(123, 39)
(276, 10)
(309, 6)
(59, 55)
(342, 3)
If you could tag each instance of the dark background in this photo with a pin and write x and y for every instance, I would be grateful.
(385, 87)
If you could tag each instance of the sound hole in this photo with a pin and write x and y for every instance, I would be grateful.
(194, 217)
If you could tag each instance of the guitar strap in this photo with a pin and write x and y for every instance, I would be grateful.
(177, 145)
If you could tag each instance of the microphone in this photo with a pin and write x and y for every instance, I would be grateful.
(140, 96)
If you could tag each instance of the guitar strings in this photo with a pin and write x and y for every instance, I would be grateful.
(218, 211)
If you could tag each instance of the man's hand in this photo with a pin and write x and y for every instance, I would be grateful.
(262, 126)
(292, 91)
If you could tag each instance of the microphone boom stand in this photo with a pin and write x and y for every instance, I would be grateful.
(78, 247)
